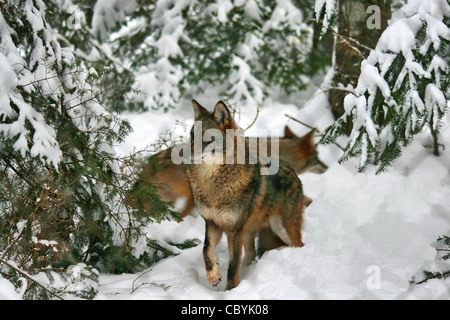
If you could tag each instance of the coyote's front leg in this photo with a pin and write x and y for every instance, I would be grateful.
(235, 239)
(249, 247)
(212, 237)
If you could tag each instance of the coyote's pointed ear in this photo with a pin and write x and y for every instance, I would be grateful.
(198, 109)
(309, 137)
(307, 201)
(288, 133)
(222, 115)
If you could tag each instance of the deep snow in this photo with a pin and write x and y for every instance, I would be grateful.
(366, 236)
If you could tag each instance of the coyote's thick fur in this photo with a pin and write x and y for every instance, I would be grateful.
(172, 182)
(239, 200)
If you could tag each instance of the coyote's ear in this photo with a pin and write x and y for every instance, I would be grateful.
(198, 109)
(288, 133)
(307, 201)
(309, 137)
(222, 115)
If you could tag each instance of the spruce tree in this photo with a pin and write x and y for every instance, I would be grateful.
(402, 89)
(62, 185)
(178, 48)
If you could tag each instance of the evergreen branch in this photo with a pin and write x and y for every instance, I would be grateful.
(96, 95)
(44, 102)
(30, 278)
(7, 160)
(436, 275)
(52, 77)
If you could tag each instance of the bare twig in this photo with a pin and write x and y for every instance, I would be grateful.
(254, 120)
(346, 38)
(350, 39)
(312, 128)
(335, 88)
(306, 125)
(134, 288)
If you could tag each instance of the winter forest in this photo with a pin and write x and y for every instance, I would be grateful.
(92, 91)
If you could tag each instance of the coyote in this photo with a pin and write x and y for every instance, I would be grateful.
(239, 200)
(299, 152)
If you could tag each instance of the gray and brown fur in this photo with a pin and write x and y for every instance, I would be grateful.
(172, 182)
(238, 200)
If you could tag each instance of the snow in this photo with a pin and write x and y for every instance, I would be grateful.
(243, 81)
(7, 291)
(8, 81)
(107, 13)
(330, 9)
(401, 38)
(366, 236)
(16, 71)
(284, 12)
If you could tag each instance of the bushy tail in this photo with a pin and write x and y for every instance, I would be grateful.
(268, 240)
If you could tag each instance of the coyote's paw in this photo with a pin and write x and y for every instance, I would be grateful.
(214, 275)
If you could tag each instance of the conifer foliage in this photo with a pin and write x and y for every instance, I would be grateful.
(66, 68)
(62, 186)
(403, 87)
(179, 47)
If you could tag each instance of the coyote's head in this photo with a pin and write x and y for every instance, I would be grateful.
(220, 118)
(303, 155)
(216, 133)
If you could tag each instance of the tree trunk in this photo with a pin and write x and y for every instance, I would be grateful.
(359, 28)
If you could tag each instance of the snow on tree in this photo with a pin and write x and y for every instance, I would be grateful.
(65, 65)
(22, 122)
(403, 86)
(327, 9)
(180, 47)
(62, 188)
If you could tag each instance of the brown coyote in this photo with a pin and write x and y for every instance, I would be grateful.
(299, 152)
(240, 199)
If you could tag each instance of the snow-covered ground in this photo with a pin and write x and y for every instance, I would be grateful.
(366, 236)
